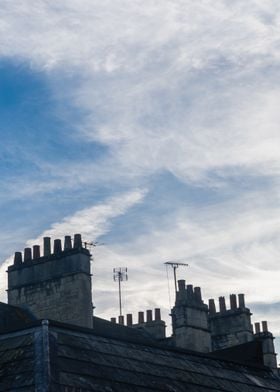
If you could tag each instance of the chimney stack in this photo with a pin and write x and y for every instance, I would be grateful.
(181, 285)
(149, 316)
(264, 326)
(34, 283)
(27, 254)
(36, 251)
(233, 302)
(197, 294)
(157, 314)
(230, 327)
(212, 306)
(47, 246)
(18, 258)
(257, 328)
(77, 241)
(129, 320)
(222, 304)
(189, 292)
(57, 247)
(190, 319)
(140, 317)
(241, 301)
(67, 242)
(266, 338)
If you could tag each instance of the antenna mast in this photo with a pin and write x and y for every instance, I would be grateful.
(120, 275)
(89, 245)
(175, 265)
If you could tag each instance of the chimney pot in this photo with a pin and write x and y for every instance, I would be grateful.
(212, 306)
(121, 320)
(67, 242)
(233, 302)
(241, 301)
(47, 246)
(222, 304)
(257, 328)
(57, 246)
(27, 254)
(181, 285)
(18, 258)
(197, 294)
(189, 291)
(149, 316)
(129, 321)
(77, 241)
(157, 314)
(140, 317)
(113, 320)
(36, 252)
(264, 326)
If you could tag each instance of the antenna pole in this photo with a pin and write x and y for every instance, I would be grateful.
(120, 294)
(175, 278)
(120, 274)
(175, 265)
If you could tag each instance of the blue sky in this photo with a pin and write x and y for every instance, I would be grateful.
(152, 127)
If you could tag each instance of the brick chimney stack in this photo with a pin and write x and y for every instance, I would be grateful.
(190, 319)
(55, 286)
(230, 327)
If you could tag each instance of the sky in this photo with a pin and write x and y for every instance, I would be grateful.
(151, 127)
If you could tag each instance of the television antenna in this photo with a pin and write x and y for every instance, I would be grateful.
(90, 244)
(120, 275)
(175, 265)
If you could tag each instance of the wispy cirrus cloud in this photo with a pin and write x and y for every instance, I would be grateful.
(144, 71)
(91, 222)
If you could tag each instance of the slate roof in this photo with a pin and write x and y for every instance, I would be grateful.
(13, 317)
(49, 356)
(17, 361)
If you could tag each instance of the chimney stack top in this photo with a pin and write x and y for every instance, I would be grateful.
(47, 246)
(212, 307)
(36, 252)
(222, 304)
(181, 284)
(77, 241)
(18, 258)
(67, 242)
(27, 255)
(57, 246)
(233, 302)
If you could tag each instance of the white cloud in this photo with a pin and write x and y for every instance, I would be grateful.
(94, 221)
(182, 86)
(91, 222)
(102, 36)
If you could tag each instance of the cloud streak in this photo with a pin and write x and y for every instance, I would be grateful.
(91, 222)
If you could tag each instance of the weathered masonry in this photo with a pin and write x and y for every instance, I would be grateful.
(56, 285)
